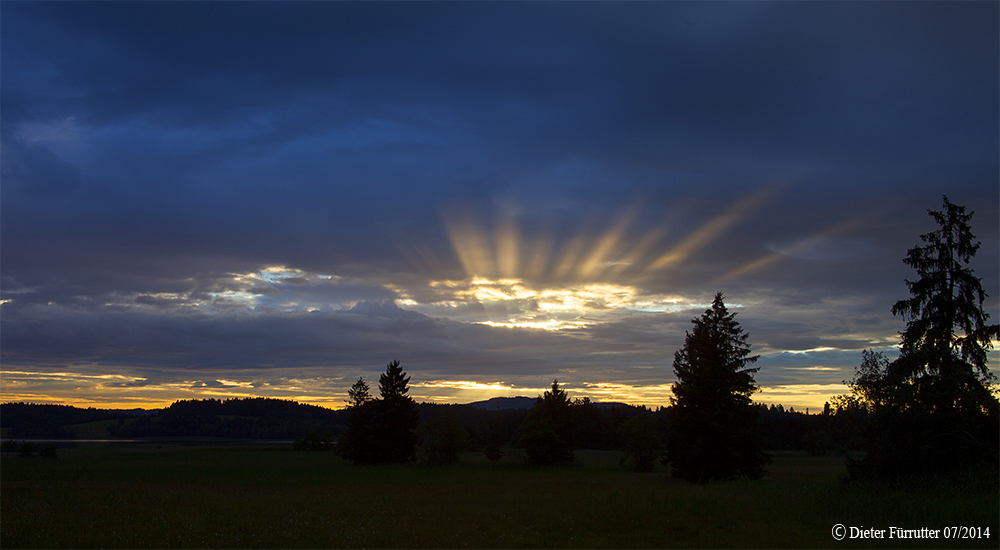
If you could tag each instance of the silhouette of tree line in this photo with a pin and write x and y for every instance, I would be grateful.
(243, 418)
(932, 410)
(595, 426)
(56, 421)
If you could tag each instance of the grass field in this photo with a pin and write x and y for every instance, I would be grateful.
(141, 496)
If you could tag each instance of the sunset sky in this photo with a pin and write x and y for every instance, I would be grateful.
(272, 199)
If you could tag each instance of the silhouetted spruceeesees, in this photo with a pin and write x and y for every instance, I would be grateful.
(355, 443)
(381, 430)
(934, 408)
(714, 430)
(547, 431)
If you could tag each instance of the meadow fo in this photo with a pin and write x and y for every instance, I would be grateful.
(143, 496)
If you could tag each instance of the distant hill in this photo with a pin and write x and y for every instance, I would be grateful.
(243, 418)
(240, 418)
(610, 404)
(35, 420)
(504, 403)
(599, 426)
(136, 412)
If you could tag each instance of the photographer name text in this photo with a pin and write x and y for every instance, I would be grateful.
(841, 532)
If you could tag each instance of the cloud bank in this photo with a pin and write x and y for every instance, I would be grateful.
(206, 199)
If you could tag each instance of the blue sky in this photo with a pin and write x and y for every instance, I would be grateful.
(226, 199)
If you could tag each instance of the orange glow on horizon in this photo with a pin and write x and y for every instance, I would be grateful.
(799, 396)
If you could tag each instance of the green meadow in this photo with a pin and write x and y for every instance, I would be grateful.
(199, 497)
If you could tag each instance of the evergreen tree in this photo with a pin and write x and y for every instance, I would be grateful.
(381, 430)
(713, 431)
(934, 407)
(397, 419)
(359, 394)
(944, 346)
(357, 443)
(547, 431)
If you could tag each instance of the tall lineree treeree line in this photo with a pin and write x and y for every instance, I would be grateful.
(382, 430)
(935, 408)
(714, 430)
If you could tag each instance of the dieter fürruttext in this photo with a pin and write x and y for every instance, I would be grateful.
(841, 532)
